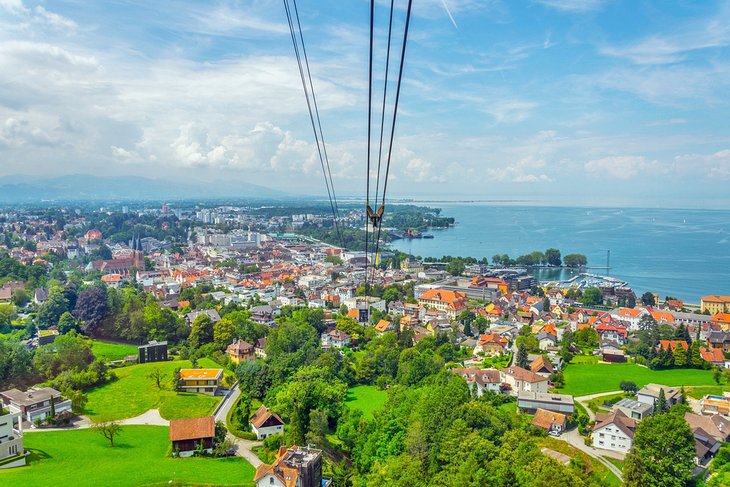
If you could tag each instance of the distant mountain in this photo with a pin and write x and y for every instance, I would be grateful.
(28, 189)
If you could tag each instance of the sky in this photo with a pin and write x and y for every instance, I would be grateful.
(585, 102)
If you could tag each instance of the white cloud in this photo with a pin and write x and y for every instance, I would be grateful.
(21, 133)
(55, 20)
(14, 7)
(526, 170)
(573, 5)
(623, 167)
(714, 166)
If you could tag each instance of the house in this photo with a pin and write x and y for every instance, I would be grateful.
(204, 381)
(532, 401)
(705, 447)
(713, 355)
(154, 351)
(260, 348)
(480, 380)
(715, 304)
(542, 366)
(293, 467)
(211, 313)
(265, 423)
(631, 316)
(35, 403)
(7, 290)
(112, 280)
(47, 336)
(240, 351)
(40, 295)
(634, 409)
(546, 340)
(491, 344)
(717, 426)
(550, 421)
(521, 380)
(722, 319)
(451, 302)
(11, 440)
(614, 431)
(719, 339)
(614, 333)
(649, 394)
(384, 326)
(188, 434)
(335, 339)
(672, 344)
(611, 353)
(713, 404)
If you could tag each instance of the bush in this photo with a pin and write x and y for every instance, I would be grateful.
(273, 442)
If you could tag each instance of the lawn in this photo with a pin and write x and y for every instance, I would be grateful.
(598, 469)
(139, 457)
(702, 391)
(597, 404)
(366, 398)
(108, 351)
(585, 379)
(134, 393)
(584, 359)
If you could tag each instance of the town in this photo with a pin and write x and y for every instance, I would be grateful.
(241, 345)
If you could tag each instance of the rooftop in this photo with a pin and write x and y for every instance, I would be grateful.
(192, 428)
(200, 374)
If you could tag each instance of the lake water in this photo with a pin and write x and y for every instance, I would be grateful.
(682, 253)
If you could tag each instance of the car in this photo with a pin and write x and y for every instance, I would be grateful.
(554, 433)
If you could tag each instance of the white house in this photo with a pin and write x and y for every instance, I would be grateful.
(11, 439)
(480, 379)
(522, 380)
(34, 403)
(335, 338)
(265, 423)
(614, 431)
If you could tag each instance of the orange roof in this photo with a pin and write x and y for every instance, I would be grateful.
(200, 374)
(443, 295)
(492, 338)
(545, 419)
(182, 304)
(672, 344)
(352, 313)
(713, 355)
(192, 428)
(714, 298)
(662, 316)
(383, 325)
(111, 278)
(262, 414)
(721, 318)
(630, 312)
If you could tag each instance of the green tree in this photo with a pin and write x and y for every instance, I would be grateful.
(647, 299)
(108, 429)
(575, 260)
(481, 323)
(20, 297)
(695, 358)
(680, 356)
(223, 333)
(662, 453)
(552, 256)
(201, 332)
(67, 322)
(629, 387)
(50, 311)
(661, 405)
(522, 360)
(7, 314)
(592, 296)
(716, 375)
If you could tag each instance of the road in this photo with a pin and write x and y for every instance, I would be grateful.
(573, 438)
(242, 447)
(583, 400)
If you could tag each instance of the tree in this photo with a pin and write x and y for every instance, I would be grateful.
(629, 387)
(575, 260)
(107, 429)
(91, 308)
(50, 311)
(586, 338)
(716, 375)
(78, 399)
(67, 322)
(522, 356)
(647, 299)
(552, 256)
(7, 314)
(680, 356)
(481, 323)
(592, 296)
(201, 331)
(157, 376)
(631, 301)
(695, 358)
(662, 453)
(223, 333)
(176, 380)
(20, 297)
(661, 406)
(455, 267)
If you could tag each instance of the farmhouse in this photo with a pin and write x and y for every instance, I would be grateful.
(293, 467)
(550, 421)
(265, 423)
(188, 434)
(204, 381)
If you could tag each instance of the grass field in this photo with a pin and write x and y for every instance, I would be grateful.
(139, 457)
(702, 391)
(134, 393)
(597, 404)
(108, 351)
(598, 469)
(366, 398)
(584, 379)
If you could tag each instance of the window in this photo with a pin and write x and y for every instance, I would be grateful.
(271, 480)
(600, 435)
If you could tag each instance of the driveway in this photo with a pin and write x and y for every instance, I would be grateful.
(221, 412)
(244, 449)
(583, 400)
(573, 438)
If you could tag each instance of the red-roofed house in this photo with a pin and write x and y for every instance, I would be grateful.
(713, 356)
(522, 380)
(616, 333)
(265, 423)
(451, 302)
(491, 344)
(672, 344)
(722, 319)
(187, 434)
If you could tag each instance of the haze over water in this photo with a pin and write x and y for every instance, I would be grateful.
(682, 253)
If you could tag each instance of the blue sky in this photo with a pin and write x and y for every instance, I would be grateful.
(598, 102)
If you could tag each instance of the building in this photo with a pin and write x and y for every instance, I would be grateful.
(717, 426)
(335, 339)
(265, 423)
(550, 421)
(35, 403)
(47, 336)
(11, 440)
(649, 394)
(211, 313)
(715, 304)
(188, 434)
(451, 302)
(480, 380)
(491, 344)
(260, 348)
(722, 319)
(294, 467)
(542, 366)
(719, 339)
(522, 380)
(714, 404)
(705, 447)
(532, 401)
(240, 351)
(633, 409)
(204, 381)
(154, 351)
(614, 431)
(713, 355)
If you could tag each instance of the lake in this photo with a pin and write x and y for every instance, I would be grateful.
(680, 253)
